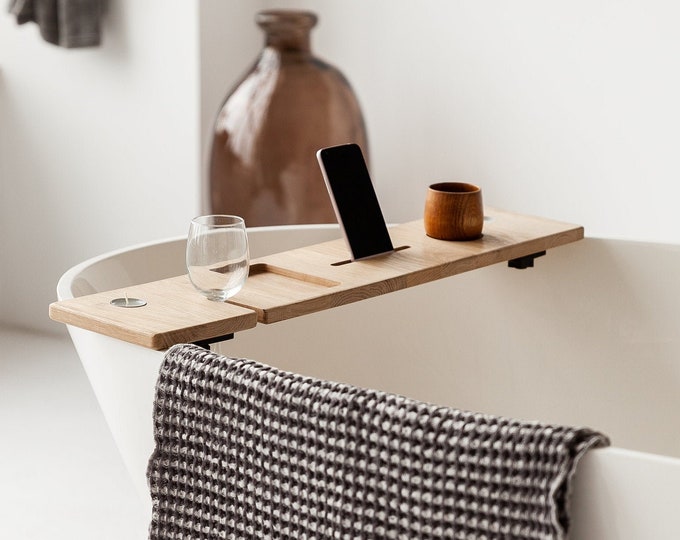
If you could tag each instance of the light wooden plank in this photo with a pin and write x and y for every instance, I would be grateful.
(306, 280)
(506, 236)
(175, 313)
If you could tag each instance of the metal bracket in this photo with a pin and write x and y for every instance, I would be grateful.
(525, 262)
(205, 343)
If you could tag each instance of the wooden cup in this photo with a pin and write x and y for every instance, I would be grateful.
(454, 211)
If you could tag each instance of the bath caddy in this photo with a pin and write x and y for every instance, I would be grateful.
(309, 279)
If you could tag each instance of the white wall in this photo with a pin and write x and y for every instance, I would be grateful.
(99, 147)
(565, 109)
(562, 109)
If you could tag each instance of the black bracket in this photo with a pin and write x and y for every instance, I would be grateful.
(205, 343)
(525, 262)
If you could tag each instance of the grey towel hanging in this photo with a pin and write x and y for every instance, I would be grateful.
(66, 23)
(244, 450)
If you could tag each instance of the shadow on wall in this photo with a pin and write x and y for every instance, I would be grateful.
(4, 195)
(29, 214)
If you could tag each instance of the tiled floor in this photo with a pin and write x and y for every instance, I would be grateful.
(60, 474)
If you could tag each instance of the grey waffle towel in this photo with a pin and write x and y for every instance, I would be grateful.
(244, 450)
(67, 23)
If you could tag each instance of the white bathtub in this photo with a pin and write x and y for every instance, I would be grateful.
(587, 337)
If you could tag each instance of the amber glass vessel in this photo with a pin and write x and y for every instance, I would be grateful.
(263, 161)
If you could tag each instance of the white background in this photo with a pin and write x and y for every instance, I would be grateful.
(568, 110)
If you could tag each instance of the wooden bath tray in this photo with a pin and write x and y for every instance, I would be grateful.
(306, 280)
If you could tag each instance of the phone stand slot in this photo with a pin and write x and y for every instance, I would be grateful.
(347, 261)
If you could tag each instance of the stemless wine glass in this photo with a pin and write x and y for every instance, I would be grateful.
(217, 255)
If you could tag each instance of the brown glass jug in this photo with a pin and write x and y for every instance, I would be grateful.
(289, 105)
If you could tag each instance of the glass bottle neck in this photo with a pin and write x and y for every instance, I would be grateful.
(287, 31)
(289, 41)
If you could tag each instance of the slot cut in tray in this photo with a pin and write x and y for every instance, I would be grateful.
(348, 261)
(268, 274)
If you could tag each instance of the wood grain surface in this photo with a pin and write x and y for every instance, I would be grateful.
(306, 280)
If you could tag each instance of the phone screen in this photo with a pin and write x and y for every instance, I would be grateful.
(354, 200)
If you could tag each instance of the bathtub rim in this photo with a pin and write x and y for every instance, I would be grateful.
(64, 283)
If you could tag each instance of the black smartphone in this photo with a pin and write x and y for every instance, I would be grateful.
(354, 200)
